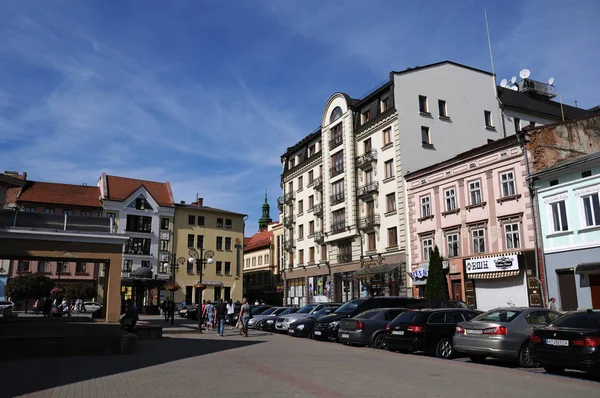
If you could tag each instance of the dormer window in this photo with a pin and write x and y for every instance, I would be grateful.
(365, 117)
(335, 114)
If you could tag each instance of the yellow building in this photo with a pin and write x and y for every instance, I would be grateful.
(199, 232)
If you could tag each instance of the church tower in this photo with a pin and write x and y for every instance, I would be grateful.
(266, 219)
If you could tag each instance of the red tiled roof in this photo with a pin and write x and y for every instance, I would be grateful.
(120, 188)
(258, 241)
(59, 194)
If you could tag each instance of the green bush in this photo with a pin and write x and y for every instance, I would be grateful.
(29, 286)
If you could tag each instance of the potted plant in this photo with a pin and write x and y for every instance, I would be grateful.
(173, 287)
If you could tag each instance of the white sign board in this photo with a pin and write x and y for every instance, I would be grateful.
(508, 262)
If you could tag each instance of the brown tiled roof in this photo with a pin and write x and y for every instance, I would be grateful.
(259, 240)
(120, 188)
(59, 194)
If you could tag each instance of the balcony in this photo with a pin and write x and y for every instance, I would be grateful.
(369, 222)
(368, 189)
(319, 237)
(318, 210)
(337, 198)
(366, 160)
(289, 247)
(338, 227)
(336, 170)
(318, 183)
(336, 141)
(288, 198)
(344, 258)
(288, 221)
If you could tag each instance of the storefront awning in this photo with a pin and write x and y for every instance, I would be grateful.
(585, 268)
(380, 269)
(494, 275)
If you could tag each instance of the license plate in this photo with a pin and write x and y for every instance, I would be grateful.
(317, 333)
(345, 336)
(563, 343)
(398, 332)
(473, 331)
(291, 331)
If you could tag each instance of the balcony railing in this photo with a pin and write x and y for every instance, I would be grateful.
(318, 182)
(336, 170)
(289, 247)
(336, 141)
(319, 237)
(288, 221)
(366, 159)
(288, 198)
(338, 227)
(318, 209)
(367, 189)
(344, 258)
(369, 222)
(337, 198)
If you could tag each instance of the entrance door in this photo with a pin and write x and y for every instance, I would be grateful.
(595, 290)
(567, 288)
(188, 295)
(456, 289)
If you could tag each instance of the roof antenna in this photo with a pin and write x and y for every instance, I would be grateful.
(487, 28)
(575, 104)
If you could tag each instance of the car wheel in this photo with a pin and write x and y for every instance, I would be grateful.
(555, 370)
(525, 359)
(379, 342)
(477, 358)
(444, 349)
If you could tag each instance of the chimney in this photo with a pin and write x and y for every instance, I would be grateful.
(15, 174)
(200, 202)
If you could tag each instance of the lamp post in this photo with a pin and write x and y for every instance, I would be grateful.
(201, 259)
(174, 266)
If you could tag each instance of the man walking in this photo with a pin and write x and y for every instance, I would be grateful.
(166, 309)
(220, 314)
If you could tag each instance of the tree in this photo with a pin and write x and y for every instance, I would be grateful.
(437, 286)
(29, 286)
(81, 291)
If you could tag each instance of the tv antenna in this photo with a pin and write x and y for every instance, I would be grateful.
(525, 73)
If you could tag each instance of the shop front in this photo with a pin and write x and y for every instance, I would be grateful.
(376, 278)
(320, 289)
(456, 279)
(418, 274)
(296, 294)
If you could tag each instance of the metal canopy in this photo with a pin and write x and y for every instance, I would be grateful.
(380, 269)
(588, 268)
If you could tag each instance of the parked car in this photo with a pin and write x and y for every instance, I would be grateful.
(268, 323)
(6, 304)
(502, 333)
(428, 330)
(367, 328)
(254, 322)
(283, 322)
(569, 342)
(304, 327)
(326, 327)
(91, 306)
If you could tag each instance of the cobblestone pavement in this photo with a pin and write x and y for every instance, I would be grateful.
(266, 365)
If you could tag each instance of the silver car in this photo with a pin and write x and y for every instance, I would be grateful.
(254, 322)
(501, 333)
(283, 322)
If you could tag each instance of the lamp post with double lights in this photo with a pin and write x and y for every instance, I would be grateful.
(201, 259)
(174, 266)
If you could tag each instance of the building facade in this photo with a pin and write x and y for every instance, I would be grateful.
(199, 229)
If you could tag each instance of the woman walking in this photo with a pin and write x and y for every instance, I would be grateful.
(230, 312)
(245, 316)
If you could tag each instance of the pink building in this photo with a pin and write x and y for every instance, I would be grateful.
(476, 209)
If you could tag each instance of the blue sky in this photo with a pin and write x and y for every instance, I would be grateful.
(207, 95)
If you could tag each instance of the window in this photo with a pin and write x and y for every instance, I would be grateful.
(200, 220)
(587, 173)
(475, 192)
(142, 204)
(23, 266)
(437, 317)
(127, 265)
(62, 267)
(253, 261)
(337, 161)
(517, 122)
(335, 114)
(139, 246)
(513, 238)
(311, 255)
(392, 237)
(339, 220)
(384, 104)
(488, 118)
(508, 184)
(442, 108)
(369, 177)
(427, 244)
(163, 268)
(312, 150)
(425, 136)
(227, 267)
(191, 220)
(228, 223)
(367, 146)
(323, 252)
(450, 198)
(371, 246)
(532, 124)
(300, 184)
(453, 242)
(300, 206)
(301, 256)
(266, 259)
(591, 210)
(48, 210)
(387, 136)
(390, 202)
(87, 213)
(423, 104)
(300, 231)
(200, 241)
(559, 216)
(478, 240)
(389, 168)
(138, 223)
(30, 210)
(228, 244)
(365, 117)
(219, 223)
(164, 245)
(81, 268)
(311, 177)
(164, 223)
(43, 266)
(190, 240)
(337, 192)
(425, 206)
(291, 187)
(68, 212)
(219, 268)
(311, 202)
(311, 228)
(219, 243)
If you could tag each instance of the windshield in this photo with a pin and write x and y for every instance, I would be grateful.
(258, 310)
(590, 320)
(349, 307)
(306, 309)
(287, 311)
(497, 316)
(367, 314)
(268, 311)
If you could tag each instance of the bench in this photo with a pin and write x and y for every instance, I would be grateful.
(145, 331)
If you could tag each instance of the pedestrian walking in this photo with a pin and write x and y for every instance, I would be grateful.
(36, 307)
(552, 304)
(209, 313)
(47, 307)
(230, 313)
(202, 313)
(166, 307)
(245, 317)
(220, 315)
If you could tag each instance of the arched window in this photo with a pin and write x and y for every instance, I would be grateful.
(335, 114)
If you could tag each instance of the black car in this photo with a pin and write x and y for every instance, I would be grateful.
(367, 328)
(428, 330)
(571, 341)
(304, 327)
(268, 323)
(326, 327)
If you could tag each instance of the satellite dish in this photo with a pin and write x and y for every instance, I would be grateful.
(513, 80)
(525, 73)
(550, 81)
(514, 88)
(503, 83)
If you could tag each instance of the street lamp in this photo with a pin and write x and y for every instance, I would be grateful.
(201, 259)
(174, 267)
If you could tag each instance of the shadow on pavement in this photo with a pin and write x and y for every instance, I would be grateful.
(29, 376)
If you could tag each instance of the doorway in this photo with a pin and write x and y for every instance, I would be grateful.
(595, 290)
(456, 289)
(567, 289)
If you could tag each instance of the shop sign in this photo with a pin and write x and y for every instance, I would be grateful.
(421, 271)
(504, 262)
(371, 262)
(212, 283)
